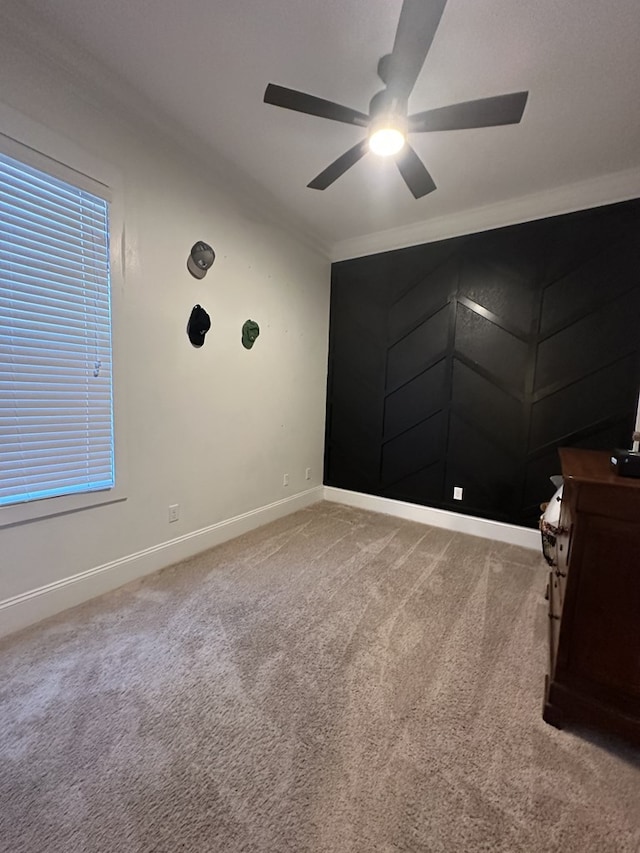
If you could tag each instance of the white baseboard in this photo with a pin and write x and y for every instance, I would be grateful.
(36, 604)
(486, 528)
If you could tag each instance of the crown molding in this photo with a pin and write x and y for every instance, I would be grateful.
(105, 89)
(569, 198)
(94, 83)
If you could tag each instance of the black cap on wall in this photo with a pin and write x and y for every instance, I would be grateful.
(198, 326)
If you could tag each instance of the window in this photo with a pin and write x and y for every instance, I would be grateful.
(56, 400)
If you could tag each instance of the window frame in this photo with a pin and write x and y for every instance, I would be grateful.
(40, 148)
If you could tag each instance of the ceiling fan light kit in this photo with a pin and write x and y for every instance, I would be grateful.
(387, 126)
(386, 141)
(388, 122)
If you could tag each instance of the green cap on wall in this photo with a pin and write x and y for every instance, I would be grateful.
(250, 331)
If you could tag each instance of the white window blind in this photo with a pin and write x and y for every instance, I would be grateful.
(56, 411)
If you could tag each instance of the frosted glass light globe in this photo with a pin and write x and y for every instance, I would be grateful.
(386, 141)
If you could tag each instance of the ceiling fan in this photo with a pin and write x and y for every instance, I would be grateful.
(388, 121)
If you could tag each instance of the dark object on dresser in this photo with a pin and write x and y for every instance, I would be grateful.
(594, 600)
(626, 463)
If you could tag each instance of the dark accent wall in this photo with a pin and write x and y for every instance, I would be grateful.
(470, 361)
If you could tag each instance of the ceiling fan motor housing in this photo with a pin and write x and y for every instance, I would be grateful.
(388, 111)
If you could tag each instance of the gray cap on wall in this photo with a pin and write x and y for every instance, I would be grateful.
(200, 259)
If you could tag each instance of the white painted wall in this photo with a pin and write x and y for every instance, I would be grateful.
(211, 429)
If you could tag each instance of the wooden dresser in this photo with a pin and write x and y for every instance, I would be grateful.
(594, 600)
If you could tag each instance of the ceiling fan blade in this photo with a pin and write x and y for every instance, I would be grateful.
(291, 99)
(417, 26)
(414, 172)
(484, 112)
(339, 166)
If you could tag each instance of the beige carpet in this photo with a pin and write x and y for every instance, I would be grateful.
(335, 681)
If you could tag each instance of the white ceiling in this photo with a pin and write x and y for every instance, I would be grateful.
(205, 64)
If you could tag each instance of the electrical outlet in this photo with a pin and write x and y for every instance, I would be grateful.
(457, 493)
(307, 473)
(174, 512)
(285, 479)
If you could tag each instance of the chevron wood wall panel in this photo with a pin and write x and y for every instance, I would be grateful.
(468, 362)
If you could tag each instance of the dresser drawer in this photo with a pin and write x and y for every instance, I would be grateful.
(554, 614)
